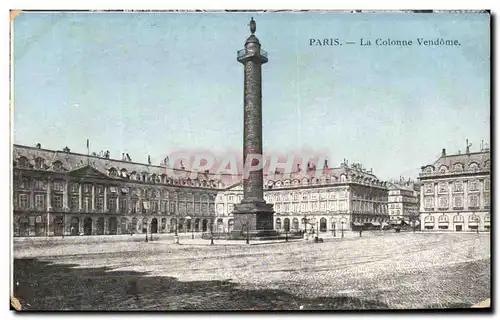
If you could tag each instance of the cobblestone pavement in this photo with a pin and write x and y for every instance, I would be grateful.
(377, 271)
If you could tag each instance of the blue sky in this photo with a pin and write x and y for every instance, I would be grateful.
(152, 83)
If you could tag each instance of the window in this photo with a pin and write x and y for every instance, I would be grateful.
(74, 203)
(39, 163)
(458, 167)
(40, 201)
(429, 202)
(473, 201)
(99, 189)
(111, 204)
(23, 162)
(99, 203)
(57, 201)
(87, 204)
(429, 188)
(486, 200)
(87, 188)
(473, 185)
(40, 184)
(458, 202)
(123, 205)
(443, 202)
(23, 201)
(58, 186)
(487, 184)
(458, 186)
(230, 198)
(172, 207)
(443, 188)
(473, 166)
(74, 187)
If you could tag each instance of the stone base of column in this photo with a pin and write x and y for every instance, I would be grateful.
(253, 220)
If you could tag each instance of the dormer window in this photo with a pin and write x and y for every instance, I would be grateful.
(23, 162)
(39, 163)
(57, 166)
(113, 173)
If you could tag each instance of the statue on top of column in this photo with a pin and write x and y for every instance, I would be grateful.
(253, 25)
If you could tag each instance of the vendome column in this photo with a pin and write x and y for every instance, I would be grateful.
(253, 214)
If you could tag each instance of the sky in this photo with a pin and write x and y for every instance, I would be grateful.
(153, 83)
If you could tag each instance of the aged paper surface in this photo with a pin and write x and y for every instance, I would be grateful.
(279, 160)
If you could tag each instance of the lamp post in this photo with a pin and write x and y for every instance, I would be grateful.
(334, 224)
(146, 230)
(248, 233)
(175, 232)
(151, 233)
(342, 229)
(192, 232)
(317, 229)
(211, 233)
(477, 228)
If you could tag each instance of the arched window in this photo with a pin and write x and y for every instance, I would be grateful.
(277, 224)
(343, 178)
(124, 173)
(443, 169)
(112, 172)
(286, 224)
(39, 163)
(23, 162)
(295, 224)
(458, 219)
(322, 225)
(473, 166)
(458, 166)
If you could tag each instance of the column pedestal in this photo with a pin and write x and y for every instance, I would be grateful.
(255, 219)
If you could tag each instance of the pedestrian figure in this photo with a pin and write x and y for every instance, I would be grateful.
(72, 230)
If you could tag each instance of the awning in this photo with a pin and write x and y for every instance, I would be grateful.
(472, 223)
(376, 223)
(385, 223)
(357, 224)
(429, 223)
(406, 221)
(443, 223)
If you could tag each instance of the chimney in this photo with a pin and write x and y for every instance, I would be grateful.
(298, 167)
(38, 146)
(123, 156)
(325, 166)
(467, 150)
(443, 153)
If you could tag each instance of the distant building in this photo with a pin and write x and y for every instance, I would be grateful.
(403, 203)
(346, 198)
(455, 192)
(60, 192)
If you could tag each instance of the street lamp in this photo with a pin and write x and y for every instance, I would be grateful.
(146, 230)
(192, 232)
(342, 229)
(211, 233)
(334, 224)
(248, 232)
(477, 228)
(151, 233)
(175, 232)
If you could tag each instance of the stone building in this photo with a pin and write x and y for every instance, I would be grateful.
(321, 200)
(56, 192)
(455, 192)
(403, 202)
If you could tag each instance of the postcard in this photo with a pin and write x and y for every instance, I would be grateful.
(250, 160)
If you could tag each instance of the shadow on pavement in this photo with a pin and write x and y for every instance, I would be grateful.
(42, 285)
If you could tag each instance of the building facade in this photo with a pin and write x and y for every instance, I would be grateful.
(344, 198)
(59, 192)
(455, 192)
(403, 202)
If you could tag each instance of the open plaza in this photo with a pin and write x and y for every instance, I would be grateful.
(380, 270)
